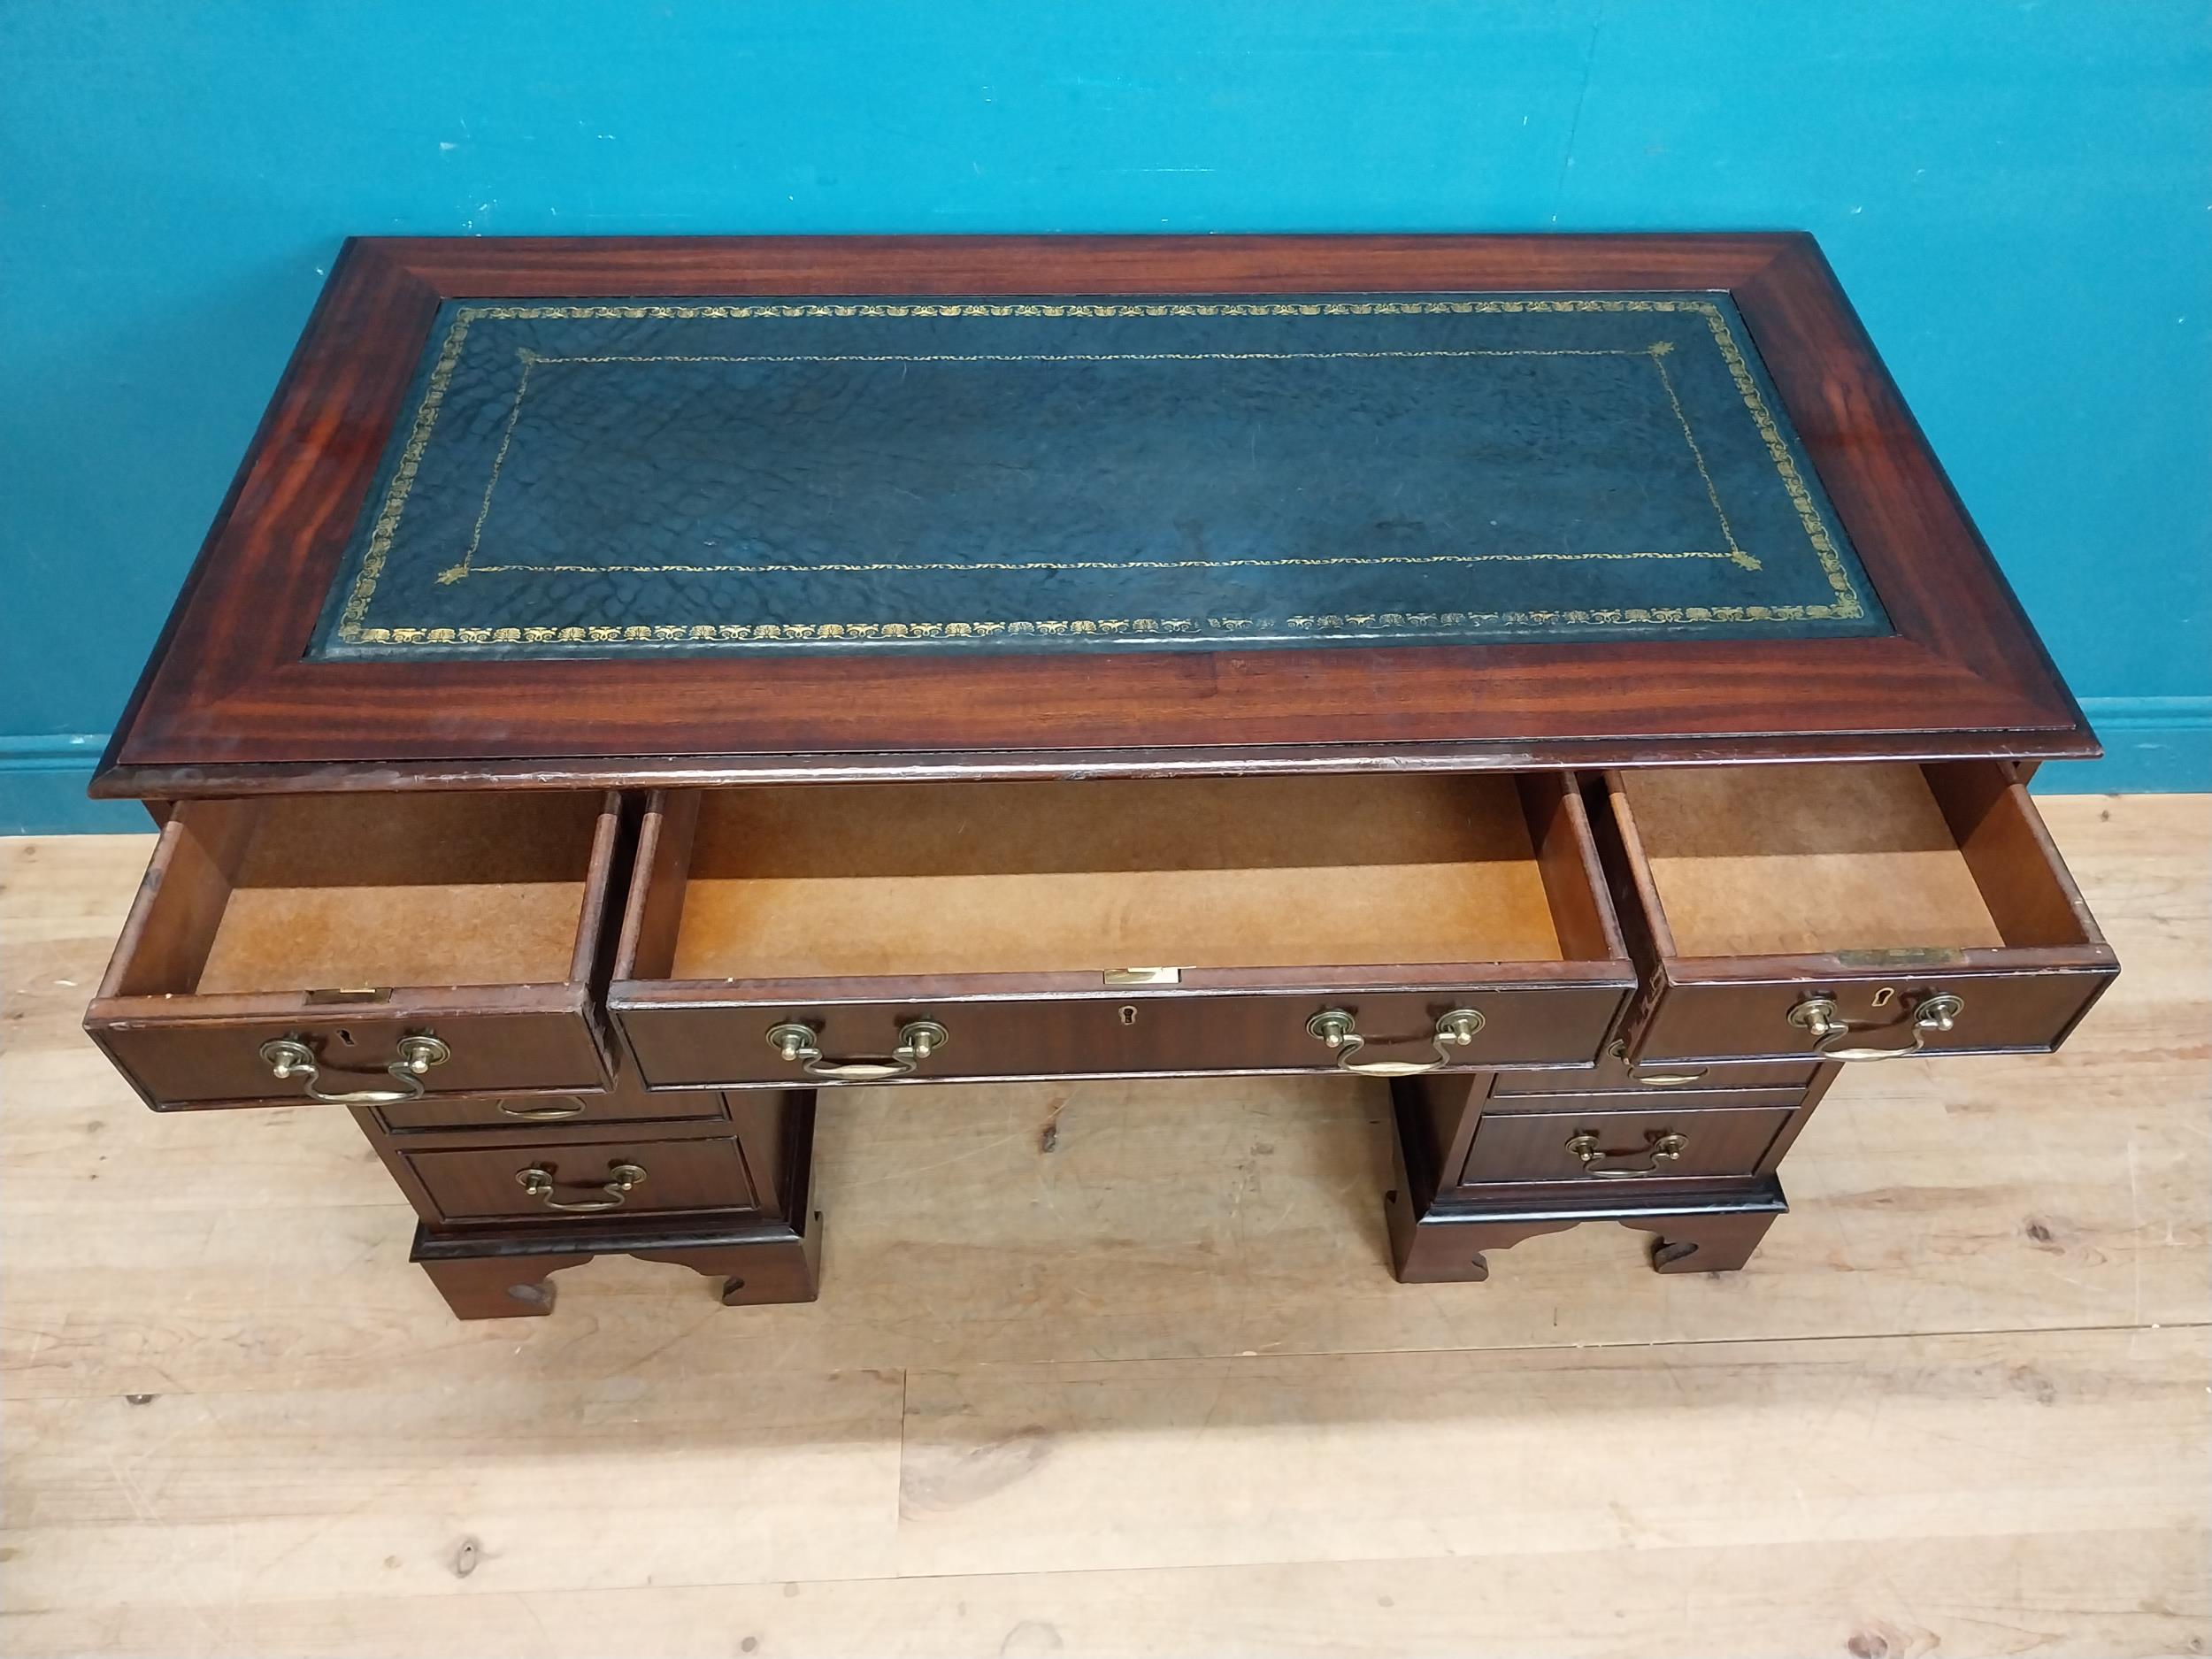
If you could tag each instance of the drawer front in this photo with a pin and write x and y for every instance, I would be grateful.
(1614, 1073)
(350, 930)
(1854, 912)
(513, 1111)
(575, 1181)
(679, 1045)
(1596, 1148)
(192, 1061)
(1678, 1101)
(1999, 1011)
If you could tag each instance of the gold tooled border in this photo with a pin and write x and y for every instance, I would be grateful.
(351, 630)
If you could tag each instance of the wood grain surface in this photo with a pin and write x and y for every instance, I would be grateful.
(229, 703)
(1119, 1367)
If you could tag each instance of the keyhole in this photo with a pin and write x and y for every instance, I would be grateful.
(1884, 997)
(345, 1037)
(1128, 1015)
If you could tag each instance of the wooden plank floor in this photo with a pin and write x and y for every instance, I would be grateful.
(1053, 1401)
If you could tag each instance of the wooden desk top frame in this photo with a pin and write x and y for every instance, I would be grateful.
(229, 703)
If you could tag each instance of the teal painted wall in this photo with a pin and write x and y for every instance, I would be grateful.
(2017, 197)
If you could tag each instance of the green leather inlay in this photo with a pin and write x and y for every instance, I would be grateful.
(603, 477)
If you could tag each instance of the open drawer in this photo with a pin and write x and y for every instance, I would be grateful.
(1848, 912)
(363, 949)
(1374, 924)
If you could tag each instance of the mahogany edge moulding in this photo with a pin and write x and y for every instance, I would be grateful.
(227, 704)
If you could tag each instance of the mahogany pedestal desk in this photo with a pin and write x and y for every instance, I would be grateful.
(636, 689)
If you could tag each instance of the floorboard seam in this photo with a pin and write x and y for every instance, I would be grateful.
(1582, 1347)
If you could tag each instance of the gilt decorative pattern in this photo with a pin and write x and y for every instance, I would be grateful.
(598, 478)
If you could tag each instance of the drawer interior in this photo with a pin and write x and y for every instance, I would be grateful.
(902, 880)
(1796, 860)
(310, 893)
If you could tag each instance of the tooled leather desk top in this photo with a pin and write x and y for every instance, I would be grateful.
(550, 511)
(1088, 473)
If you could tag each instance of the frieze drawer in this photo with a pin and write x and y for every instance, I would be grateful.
(358, 950)
(1375, 925)
(1846, 912)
